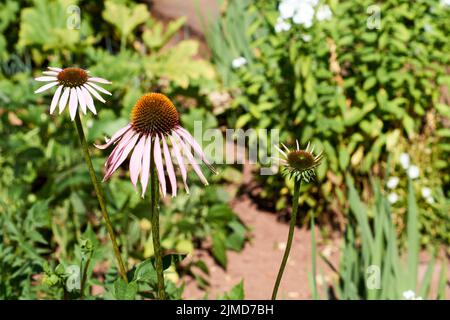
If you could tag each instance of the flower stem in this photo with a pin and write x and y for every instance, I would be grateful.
(100, 196)
(290, 237)
(155, 230)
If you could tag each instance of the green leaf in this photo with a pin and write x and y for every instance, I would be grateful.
(219, 249)
(236, 293)
(124, 291)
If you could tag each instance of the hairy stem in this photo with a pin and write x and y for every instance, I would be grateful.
(155, 230)
(100, 196)
(290, 237)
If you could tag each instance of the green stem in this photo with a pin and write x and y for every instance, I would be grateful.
(290, 237)
(100, 196)
(155, 230)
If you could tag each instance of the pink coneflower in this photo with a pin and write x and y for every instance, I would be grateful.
(155, 131)
(75, 86)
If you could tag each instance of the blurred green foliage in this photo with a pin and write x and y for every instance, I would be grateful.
(354, 90)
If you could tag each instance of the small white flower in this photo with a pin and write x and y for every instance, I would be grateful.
(426, 192)
(75, 87)
(287, 8)
(304, 16)
(429, 200)
(404, 160)
(238, 62)
(324, 13)
(282, 25)
(306, 37)
(392, 182)
(392, 197)
(409, 295)
(413, 172)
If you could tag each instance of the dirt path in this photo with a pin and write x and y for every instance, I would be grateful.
(259, 261)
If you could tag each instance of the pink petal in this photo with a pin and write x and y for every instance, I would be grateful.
(146, 164)
(191, 159)
(136, 161)
(94, 93)
(89, 100)
(46, 87)
(180, 161)
(123, 155)
(159, 165)
(198, 150)
(99, 80)
(73, 103)
(63, 101)
(99, 88)
(55, 99)
(114, 137)
(46, 78)
(81, 100)
(169, 167)
(119, 148)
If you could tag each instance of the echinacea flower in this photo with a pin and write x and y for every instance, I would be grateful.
(298, 163)
(75, 86)
(155, 132)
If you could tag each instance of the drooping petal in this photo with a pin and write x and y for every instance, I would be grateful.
(180, 161)
(146, 164)
(94, 93)
(89, 100)
(191, 159)
(99, 80)
(198, 150)
(159, 165)
(46, 78)
(169, 167)
(99, 88)
(55, 99)
(115, 154)
(122, 156)
(63, 101)
(46, 87)
(114, 137)
(136, 161)
(73, 103)
(280, 151)
(81, 100)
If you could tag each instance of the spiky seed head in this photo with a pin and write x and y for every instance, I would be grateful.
(154, 113)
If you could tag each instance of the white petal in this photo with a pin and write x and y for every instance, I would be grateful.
(99, 80)
(55, 99)
(73, 103)
(99, 88)
(50, 73)
(89, 100)
(45, 87)
(81, 100)
(55, 69)
(63, 101)
(46, 79)
(94, 93)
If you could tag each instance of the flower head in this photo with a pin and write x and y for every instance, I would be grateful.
(298, 163)
(155, 135)
(393, 197)
(238, 62)
(404, 160)
(392, 182)
(413, 172)
(75, 86)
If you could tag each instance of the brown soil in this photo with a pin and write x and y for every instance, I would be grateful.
(259, 261)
